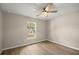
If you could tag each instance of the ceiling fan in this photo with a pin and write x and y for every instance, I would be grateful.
(50, 8)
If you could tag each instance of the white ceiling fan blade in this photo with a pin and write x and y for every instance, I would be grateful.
(52, 11)
(49, 7)
(39, 14)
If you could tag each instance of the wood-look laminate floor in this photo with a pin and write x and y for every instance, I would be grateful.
(41, 48)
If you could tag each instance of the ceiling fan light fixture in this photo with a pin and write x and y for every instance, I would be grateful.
(44, 13)
(49, 9)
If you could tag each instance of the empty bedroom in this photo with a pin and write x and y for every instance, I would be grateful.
(39, 28)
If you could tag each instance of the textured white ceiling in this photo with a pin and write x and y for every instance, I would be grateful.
(33, 9)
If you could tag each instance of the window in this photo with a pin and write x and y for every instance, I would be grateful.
(31, 30)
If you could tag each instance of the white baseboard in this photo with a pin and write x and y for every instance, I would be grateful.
(64, 45)
(37, 42)
(22, 45)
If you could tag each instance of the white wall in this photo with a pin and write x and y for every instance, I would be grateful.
(14, 33)
(64, 28)
(0, 31)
